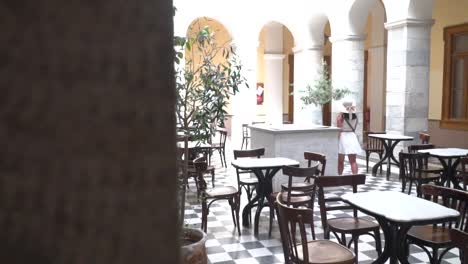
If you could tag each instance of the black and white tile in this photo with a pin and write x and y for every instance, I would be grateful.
(225, 246)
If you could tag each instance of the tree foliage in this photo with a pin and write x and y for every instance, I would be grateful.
(322, 90)
(205, 80)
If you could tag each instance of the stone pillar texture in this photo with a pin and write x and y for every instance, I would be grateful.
(274, 88)
(307, 63)
(408, 76)
(348, 72)
(87, 167)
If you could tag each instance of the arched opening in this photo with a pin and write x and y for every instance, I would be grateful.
(215, 51)
(275, 73)
(375, 60)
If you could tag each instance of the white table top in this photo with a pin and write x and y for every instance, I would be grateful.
(391, 136)
(399, 207)
(446, 152)
(253, 163)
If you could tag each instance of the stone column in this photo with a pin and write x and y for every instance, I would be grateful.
(274, 88)
(307, 62)
(348, 72)
(408, 53)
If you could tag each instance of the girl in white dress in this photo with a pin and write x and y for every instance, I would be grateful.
(348, 141)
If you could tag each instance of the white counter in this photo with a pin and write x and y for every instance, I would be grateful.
(290, 141)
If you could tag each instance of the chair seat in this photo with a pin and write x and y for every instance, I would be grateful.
(248, 181)
(351, 224)
(296, 200)
(327, 252)
(429, 234)
(297, 186)
(429, 176)
(433, 169)
(221, 191)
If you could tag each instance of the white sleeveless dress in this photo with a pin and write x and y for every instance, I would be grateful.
(349, 143)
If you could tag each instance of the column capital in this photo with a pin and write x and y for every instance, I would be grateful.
(299, 49)
(410, 22)
(274, 56)
(334, 39)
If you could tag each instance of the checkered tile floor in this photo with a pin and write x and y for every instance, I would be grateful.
(225, 246)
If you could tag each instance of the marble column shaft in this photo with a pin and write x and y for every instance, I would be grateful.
(307, 63)
(408, 76)
(274, 88)
(348, 72)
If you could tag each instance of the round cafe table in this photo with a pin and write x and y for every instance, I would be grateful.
(449, 158)
(389, 141)
(265, 169)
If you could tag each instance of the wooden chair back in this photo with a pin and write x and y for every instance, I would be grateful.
(452, 198)
(460, 240)
(200, 165)
(289, 220)
(306, 174)
(373, 144)
(222, 136)
(329, 204)
(316, 157)
(249, 153)
(416, 147)
(411, 164)
(424, 137)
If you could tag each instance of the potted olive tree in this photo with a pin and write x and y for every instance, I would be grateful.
(322, 91)
(207, 74)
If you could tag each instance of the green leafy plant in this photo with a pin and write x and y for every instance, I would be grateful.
(210, 75)
(322, 90)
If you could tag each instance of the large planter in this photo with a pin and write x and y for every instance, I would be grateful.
(193, 250)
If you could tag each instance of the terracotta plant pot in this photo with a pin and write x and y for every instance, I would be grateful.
(193, 250)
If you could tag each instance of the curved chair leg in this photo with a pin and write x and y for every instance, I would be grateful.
(272, 215)
(380, 158)
(237, 201)
(213, 178)
(224, 156)
(378, 242)
(367, 161)
(356, 249)
(205, 212)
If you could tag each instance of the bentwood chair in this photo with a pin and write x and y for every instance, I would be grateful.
(314, 159)
(229, 193)
(245, 136)
(221, 145)
(414, 170)
(249, 184)
(438, 236)
(424, 137)
(299, 249)
(426, 168)
(296, 194)
(341, 226)
(373, 145)
(460, 240)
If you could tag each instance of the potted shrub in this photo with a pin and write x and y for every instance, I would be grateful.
(322, 90)
(207, 74)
